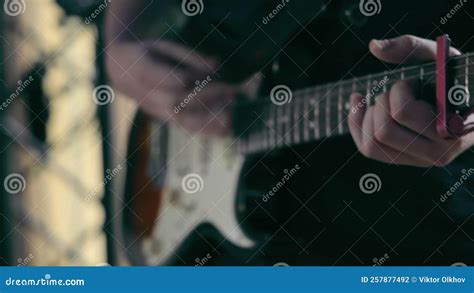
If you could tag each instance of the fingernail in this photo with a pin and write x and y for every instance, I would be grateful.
(382, 44)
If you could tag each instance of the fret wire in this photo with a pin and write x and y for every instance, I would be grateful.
(275, 127)
(279, 125)
(263, 135)
(253, 140)
(287, 123)
(271, 128)
(291, 124)
(308, 112)
(306, 118)
(327, 113)
(264, 127)
(259, 141)
(321, 122)
(296, 118)
(282, 120)
(266, 139)
(339, 111)
(315, 122)
(283, 124)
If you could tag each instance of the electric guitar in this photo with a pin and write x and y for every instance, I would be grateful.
(183, 186)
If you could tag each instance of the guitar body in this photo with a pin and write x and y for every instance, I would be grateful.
(275, 207)
(191, 204)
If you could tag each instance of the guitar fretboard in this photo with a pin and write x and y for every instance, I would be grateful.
(288, 118)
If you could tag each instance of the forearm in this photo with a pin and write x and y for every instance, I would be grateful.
(126, 18)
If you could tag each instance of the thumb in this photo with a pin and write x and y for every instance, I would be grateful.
(406, 49)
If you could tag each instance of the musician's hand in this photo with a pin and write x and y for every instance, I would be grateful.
(172, 83)
(399, 128)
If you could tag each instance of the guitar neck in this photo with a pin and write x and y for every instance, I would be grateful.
(288, 118)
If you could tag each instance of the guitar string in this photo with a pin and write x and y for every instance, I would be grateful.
(323, 88)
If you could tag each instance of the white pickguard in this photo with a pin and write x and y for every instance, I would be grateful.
(217, 162)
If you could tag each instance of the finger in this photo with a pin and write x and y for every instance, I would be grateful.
(356, 117)
(213, 97)
(137, 66)
(388, 153)
(155, 102)
(161, 75)
(405, 49)
(362, 129)
(373, 149)
(390, 133)
(184, 55)
(417, 115)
